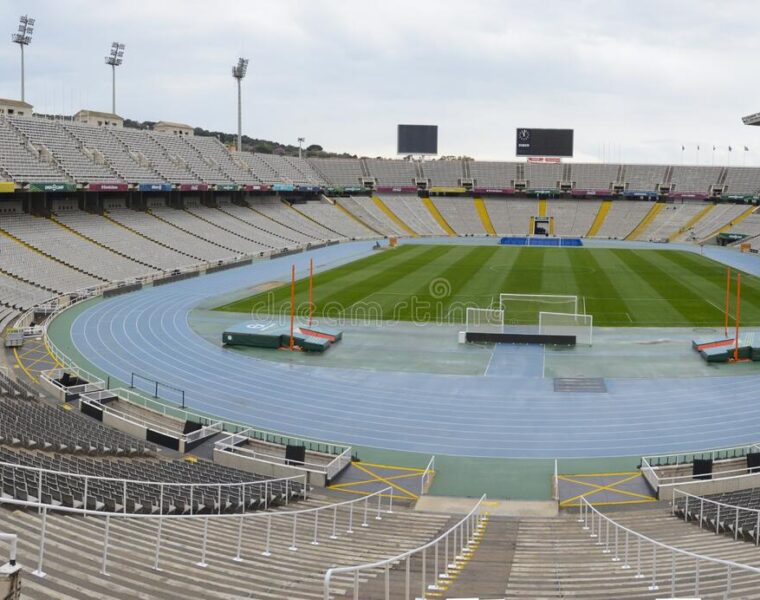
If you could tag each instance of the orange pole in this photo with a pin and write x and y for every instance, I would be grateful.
(728, 299)
(292, 303)
(311, 289)
(738, 306)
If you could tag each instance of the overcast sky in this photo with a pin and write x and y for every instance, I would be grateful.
(636, 79)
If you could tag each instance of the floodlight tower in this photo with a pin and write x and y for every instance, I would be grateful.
(23, 38)
(114, 59)
(238, 72)
(301, 140)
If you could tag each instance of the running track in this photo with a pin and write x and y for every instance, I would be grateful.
(148, 332)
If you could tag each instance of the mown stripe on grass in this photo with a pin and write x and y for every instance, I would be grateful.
(605, 298)
(709, 286)
(671, 291)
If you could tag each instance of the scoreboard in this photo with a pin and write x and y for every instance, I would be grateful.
(544, 142)
(417, 139)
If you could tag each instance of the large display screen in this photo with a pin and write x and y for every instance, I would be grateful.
(544, 142)
(417, 139)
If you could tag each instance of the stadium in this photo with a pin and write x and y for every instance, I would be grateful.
(241, 374)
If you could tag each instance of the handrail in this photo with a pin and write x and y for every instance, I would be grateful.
(711, 451)
(464, 530)
(427, 475)
(730, 507)
(604, 538)
(161, 487)
(11, 538)
(267, 516)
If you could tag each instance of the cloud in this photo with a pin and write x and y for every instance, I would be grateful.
(635, 80)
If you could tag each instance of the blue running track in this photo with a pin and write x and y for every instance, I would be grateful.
(148, 332)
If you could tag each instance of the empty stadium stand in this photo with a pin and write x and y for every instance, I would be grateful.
(557, 558)
(411, 211)
(275, 554)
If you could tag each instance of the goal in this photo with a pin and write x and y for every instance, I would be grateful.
(523, 309)
(555, 323)
(484, 320)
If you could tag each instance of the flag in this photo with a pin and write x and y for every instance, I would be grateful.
(746, 149)
(713, 148)
(730, 149)
(683, 148)
(697, 147)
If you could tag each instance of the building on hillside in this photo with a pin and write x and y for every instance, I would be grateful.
(99, 119)
(174, 128)
(15, 108)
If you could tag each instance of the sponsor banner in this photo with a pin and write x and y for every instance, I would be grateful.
(155, 187)
(7, 187)
(591, 193)
(284, 187)
(731, 197)
(500, 191)
(397, 190)
(193, 187)
(264, 187)
(688, 196)
(641, 194)
(544, 159)
(355, 190)
(108, 187)
(226, 187)
(309, 188)
(52, 187)
(443, 189)
(732, 237)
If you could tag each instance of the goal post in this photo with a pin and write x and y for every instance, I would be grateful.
(522, 309)
(556, 323)
(484, 320)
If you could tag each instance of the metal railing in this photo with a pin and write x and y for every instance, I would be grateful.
(232, 444)
(12, 540)
(652, 466)
(426, 478)
(361, 512)
(456, 542)
(656, 561)
(732, 513)
(161, 490)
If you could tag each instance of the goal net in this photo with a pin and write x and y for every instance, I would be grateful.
(555, 323)
(523, 309)
(484, 320)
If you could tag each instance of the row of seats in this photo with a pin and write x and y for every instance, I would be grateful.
(36, 149)
(38, 425)
(738, 524)
(199, 487)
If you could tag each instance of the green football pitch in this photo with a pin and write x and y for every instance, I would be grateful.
(619, 287)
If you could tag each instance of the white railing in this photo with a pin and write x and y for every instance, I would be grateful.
(426, 478)
(448, 550)
(12, 540)
(205, 431)
(739, 513)
(52, 377)
(652, 466)
(161, 490)
(232, 444)
(360, 513)
(654, 560)
(342, 452)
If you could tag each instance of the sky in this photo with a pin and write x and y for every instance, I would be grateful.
(635, 79)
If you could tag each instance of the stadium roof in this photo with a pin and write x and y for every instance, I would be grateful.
(97, 113)
(18, 103)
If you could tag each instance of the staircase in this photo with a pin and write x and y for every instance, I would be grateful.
(293, 568)
(557, 558)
